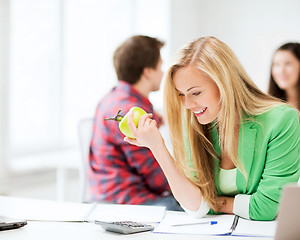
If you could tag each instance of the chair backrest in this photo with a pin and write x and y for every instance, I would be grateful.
(85, 131)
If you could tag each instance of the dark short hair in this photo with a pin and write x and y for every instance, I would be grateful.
(274, 90)
(135, 54)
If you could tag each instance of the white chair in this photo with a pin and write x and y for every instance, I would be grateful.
(85, 131)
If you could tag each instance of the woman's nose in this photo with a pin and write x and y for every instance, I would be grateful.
(188, 102)
(280, 69)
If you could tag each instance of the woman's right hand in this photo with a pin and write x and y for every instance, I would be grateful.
(146, 134)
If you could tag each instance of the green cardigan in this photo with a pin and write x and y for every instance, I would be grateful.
(269, 149)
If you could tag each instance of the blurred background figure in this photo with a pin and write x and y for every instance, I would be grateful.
(120, 172)
(285, 74)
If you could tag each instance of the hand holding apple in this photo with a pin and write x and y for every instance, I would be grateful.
(146, 134)
(123, 120)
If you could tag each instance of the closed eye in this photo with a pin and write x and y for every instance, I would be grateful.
(180, 94)
(196, 93)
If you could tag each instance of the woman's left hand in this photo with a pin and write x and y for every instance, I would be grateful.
(225, 204)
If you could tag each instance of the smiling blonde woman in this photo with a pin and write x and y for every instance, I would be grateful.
(234, 146)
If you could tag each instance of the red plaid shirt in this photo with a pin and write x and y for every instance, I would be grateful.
(120, 172)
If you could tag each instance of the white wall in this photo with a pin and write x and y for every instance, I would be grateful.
(253, 29)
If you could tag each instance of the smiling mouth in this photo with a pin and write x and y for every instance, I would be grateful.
(201, 112)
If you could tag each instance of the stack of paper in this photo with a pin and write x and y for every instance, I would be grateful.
(42, 210)
(45, 210)
(121, 212)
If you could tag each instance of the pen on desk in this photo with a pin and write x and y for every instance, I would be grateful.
(235, 222)
(196, 223)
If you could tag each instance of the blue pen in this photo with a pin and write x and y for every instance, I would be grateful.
(196, 223)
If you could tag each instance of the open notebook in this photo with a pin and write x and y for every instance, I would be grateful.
(286, 226)
(226, 225)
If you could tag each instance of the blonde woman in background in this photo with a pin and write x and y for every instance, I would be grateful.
(285, 74)
(234, 146)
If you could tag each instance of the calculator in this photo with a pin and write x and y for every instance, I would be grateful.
(125, 227)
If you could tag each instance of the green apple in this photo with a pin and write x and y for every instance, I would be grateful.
(123, 126)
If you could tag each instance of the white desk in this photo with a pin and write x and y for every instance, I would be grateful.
(90, 231)
(44, 230)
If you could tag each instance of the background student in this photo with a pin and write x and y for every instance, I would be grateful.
(235, 147)
(285, 74)
(120, 172)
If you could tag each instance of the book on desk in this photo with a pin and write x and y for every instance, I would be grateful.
(46, 210)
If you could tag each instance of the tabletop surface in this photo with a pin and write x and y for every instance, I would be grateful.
(83, 230)
(44, 230)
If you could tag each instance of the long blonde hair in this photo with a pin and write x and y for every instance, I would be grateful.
(239, 99)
